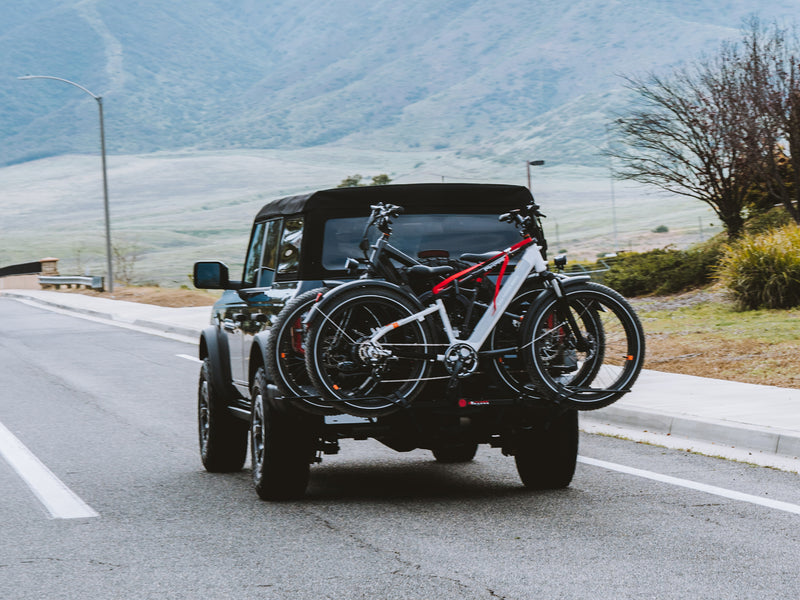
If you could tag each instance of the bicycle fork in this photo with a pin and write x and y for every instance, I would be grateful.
(564, 314)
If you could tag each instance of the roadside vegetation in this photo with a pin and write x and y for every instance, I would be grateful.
(722, 309)
(703, 333)
(724, 130)
(760, 269)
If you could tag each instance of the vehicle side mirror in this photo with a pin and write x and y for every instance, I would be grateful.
(211, 275)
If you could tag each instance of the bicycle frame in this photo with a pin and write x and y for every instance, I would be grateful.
(530, 261)
(380, 259)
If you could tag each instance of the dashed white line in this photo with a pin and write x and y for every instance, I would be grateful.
(693, 485)
(60, 501)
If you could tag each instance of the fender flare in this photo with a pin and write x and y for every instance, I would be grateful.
(215, 347)
(258, 353)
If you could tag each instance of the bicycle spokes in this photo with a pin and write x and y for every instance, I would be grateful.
(352, 365)
(586, 349)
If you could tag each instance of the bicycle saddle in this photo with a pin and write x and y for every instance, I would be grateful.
(426, 271)
(476, 258)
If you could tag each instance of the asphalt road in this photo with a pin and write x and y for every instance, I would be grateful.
(111, 414)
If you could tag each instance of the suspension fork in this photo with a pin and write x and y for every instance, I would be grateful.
(565, 314)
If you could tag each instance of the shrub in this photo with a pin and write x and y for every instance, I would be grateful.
(663, 271)
(775, 218)
(763, 270)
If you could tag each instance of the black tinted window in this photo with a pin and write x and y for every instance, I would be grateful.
(259, 267)
(289, 255)
(254, 252)
(412, 234)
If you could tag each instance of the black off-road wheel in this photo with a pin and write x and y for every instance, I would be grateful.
(455, 453)
(282, 446)
(546, 455)
(223, 437)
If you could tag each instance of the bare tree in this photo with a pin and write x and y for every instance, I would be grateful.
(684, 136)
(770, 68)
(126, 255)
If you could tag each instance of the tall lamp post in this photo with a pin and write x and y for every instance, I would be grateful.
(99, 100)
(528, 165)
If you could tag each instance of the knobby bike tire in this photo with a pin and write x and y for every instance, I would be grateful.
(594, 376)
(346, 372)
(286, 351)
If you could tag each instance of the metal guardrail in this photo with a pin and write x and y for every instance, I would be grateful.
(578, 269)
(94, 282)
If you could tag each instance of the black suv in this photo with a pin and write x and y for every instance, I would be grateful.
(253, 383)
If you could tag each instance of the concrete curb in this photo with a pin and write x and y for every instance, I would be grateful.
(171, 328)
(718, 431)
(174, 329)
(83, 311)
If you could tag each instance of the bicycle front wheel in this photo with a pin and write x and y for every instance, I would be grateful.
(364, 376)
(589, 356)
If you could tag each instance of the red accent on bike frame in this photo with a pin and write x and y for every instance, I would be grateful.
(499, 279)
(521, 244)
(297, 336)
(443, 284)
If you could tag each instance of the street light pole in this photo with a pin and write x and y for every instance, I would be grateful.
(528, 164)
(99, 100)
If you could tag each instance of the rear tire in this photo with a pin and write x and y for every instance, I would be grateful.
(286, 351)
(222, 437)
(282, 446)
(546, 457)
(457, 453)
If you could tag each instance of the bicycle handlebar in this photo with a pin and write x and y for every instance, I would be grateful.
(382, 210)
(381, 216)
(523, 218)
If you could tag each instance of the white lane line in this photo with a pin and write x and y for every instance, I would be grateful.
(694, 485)
(60, 501)
(189, 357)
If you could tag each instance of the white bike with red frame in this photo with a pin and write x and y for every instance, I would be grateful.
(371, 344)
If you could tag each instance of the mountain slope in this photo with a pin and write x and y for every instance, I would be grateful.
(484, 77)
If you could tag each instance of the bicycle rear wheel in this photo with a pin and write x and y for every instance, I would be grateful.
(360, 376)
(594, 366)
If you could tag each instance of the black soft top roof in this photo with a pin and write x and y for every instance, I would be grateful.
(423, 197)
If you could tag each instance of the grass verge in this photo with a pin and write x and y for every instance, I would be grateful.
(703, 334)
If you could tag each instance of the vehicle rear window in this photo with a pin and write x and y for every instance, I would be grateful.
(412, 234)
